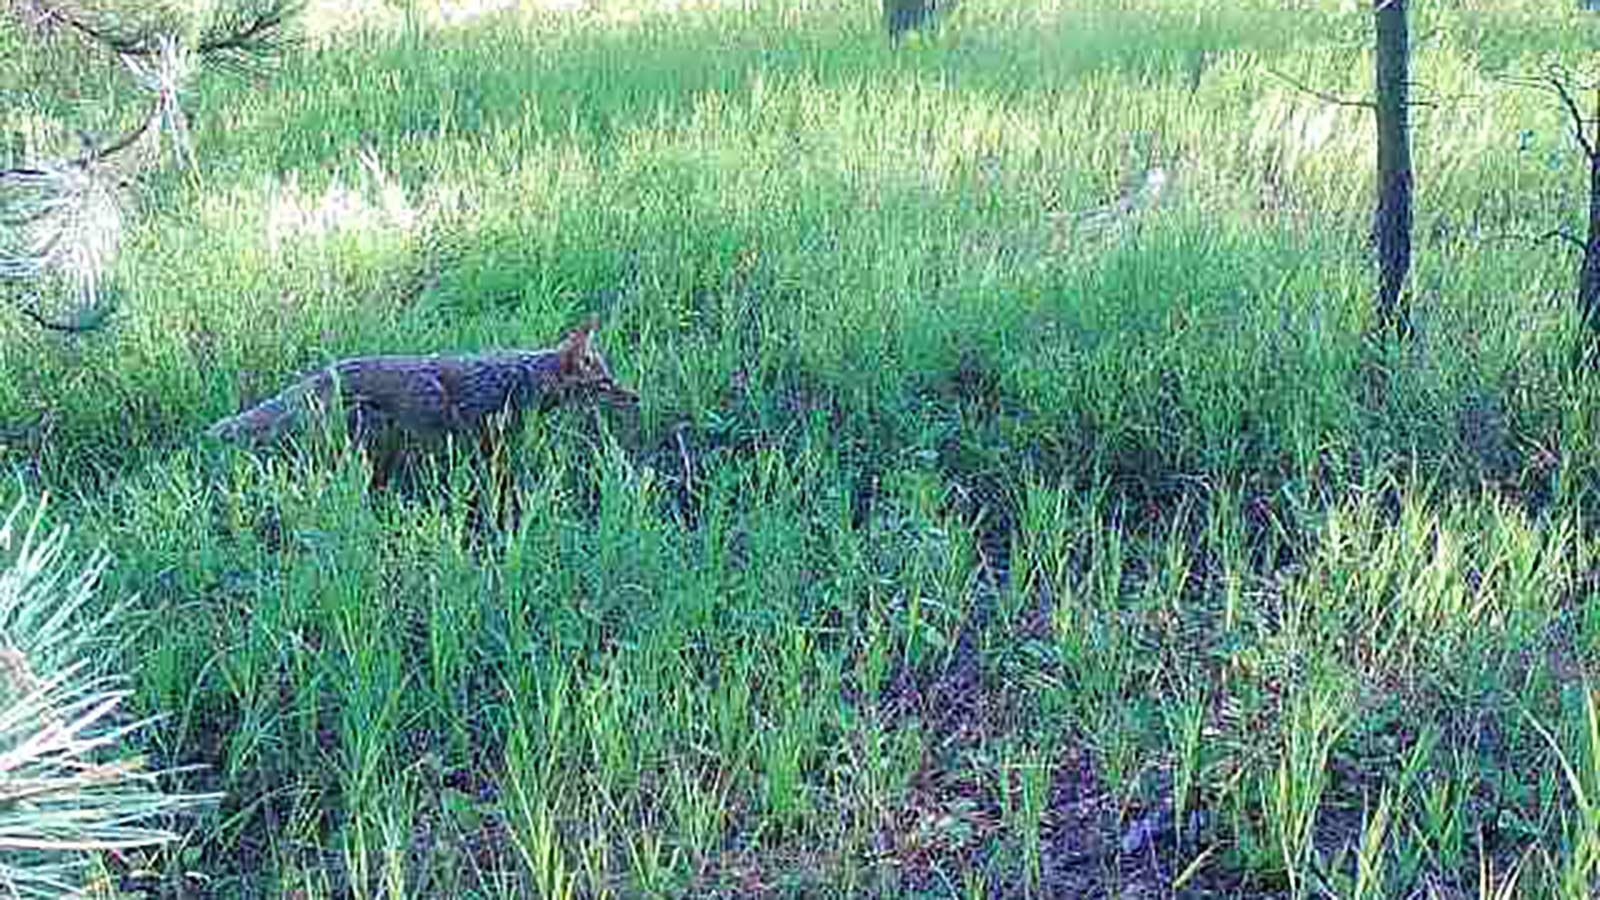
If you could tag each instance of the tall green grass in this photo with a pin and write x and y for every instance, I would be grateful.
(955, 549)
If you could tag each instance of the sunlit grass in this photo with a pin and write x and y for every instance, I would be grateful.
(959, 546)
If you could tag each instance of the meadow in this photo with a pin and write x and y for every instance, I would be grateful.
(963, 545)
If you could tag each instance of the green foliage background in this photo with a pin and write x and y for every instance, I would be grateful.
(955, 546)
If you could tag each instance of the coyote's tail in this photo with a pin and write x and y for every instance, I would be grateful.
(276, 416)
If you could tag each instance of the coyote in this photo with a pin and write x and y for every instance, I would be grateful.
(429, 396)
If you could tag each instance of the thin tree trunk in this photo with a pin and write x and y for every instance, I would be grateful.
(1393, 221)
(901, 16)
(1589, 276)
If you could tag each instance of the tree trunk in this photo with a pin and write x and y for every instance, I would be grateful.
(901, 16)
(1589, 276)
(1393, 222)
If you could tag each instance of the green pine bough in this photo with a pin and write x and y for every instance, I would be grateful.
(69, 788)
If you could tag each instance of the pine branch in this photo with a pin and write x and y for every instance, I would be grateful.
(1580, 131)
(252, 35)
(95, 28)
(1554, 234)
(64, 217)
(60, 224)
(1558, 81)
(246, 35)
(1320, 95)
(88, 320)
(64, 788)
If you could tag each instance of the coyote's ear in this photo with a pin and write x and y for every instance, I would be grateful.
(575, 345)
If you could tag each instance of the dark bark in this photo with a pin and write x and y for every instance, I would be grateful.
(901, 16)
(1392, 225)
(1589, 275)
(1561, 83)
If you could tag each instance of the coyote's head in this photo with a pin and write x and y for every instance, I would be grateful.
(584, 371)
